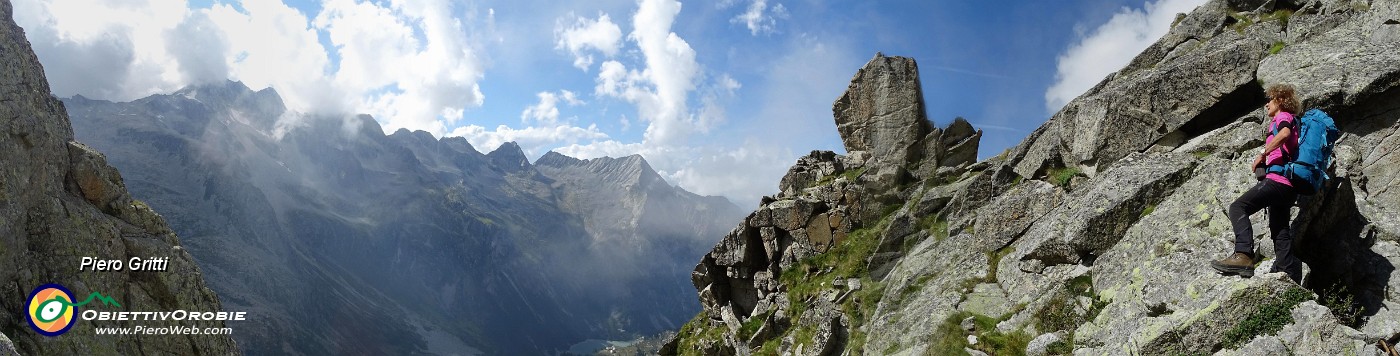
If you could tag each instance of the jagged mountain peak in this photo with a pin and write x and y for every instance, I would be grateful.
(509, 156)
(225, 88)
(556, 159)
(234, 93)
(630, 170)
(420, 136)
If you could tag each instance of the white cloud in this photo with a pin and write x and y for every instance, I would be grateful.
(588, 35)
(104, 50)
(200, 49)
(408, 63)
(273, 45)
(758, 17)
(546, 111)
(535, 141)
(743, 174)
(1111, 46)
(661, 89)
(608, 148)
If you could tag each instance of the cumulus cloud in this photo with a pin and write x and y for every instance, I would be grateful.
(200, 49)
(546, 111)
(101, 49)
(758, 17)
(660, 89)
(273, 45)
(585, 36)
(410, 64)
(1111, 46)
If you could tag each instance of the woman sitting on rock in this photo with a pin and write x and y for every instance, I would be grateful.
(1274, 191)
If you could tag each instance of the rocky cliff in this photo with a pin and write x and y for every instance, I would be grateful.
(59, 202)
(1093, 235)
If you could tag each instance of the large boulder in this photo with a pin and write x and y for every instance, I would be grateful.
(1006, 217)
(882, 111)
(1342, 65)
(1093, 219)
(922, 290)
(1194, 79)
(1314, 331)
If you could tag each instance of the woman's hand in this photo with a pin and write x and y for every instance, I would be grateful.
(1258, 160)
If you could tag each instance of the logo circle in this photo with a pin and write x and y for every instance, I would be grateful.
(50, 310)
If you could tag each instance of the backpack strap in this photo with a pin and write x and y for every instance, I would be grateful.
(1293, 124)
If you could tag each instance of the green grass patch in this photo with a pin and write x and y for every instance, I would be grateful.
(1200, 154)
(1241, 22)
(994, 260)
(1268, 319)
(751, 326)
(949, 335)
(1281, 16)
(1277, 47)
(1063, 347)
(1061, 177)
(1064, 313)
(770, 348)
(888, 210)
(1148, 210)
(893, 348)
(936, 225)
(694, 331)
(860, 307)
(1003, 155)
(1343, 305)
(851, 175)
(914, 287)
(808, 278)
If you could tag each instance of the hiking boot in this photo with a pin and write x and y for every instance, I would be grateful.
(1238, 263)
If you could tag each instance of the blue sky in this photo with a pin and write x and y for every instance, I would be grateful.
(720, 96)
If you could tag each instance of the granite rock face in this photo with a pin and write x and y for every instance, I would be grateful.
(1093, 236)
(882, 112)
(59, 202)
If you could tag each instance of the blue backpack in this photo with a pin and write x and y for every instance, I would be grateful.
(1317, 133)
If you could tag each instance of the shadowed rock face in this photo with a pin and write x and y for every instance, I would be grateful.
(59, 202)
(1097, 229)
(411, 244)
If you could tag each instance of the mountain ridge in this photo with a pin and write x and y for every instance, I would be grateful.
(420, 227)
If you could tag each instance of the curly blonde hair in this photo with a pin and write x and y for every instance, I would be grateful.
(1287, 98)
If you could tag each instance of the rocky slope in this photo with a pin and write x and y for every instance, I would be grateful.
(1093, 235)
(408, 243)
(60, 201)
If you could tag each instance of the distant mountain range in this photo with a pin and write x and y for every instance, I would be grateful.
(337, 238)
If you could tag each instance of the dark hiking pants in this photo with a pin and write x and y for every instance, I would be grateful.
(1278, 198)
